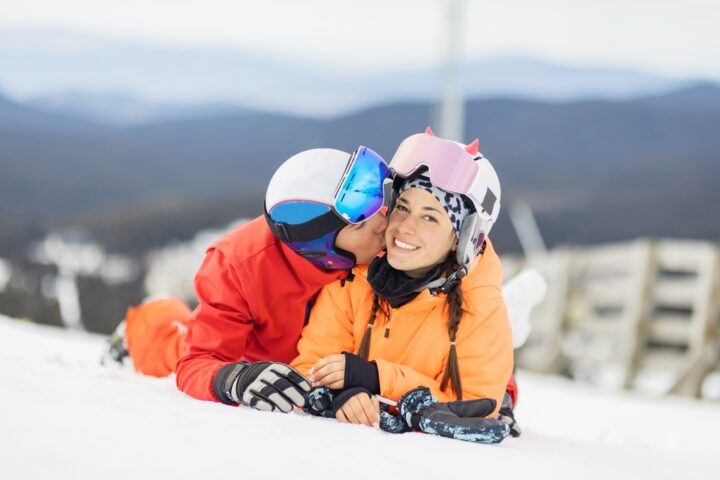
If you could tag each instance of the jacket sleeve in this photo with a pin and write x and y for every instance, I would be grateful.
(397, 379)
(219, 328)
(485, 358)
(330, 329)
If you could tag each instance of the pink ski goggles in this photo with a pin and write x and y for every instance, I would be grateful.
(450, 166)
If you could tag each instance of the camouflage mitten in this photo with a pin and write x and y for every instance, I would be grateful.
(318, 402)
(462, 420)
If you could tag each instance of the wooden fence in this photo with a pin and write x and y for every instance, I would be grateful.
(643, 315)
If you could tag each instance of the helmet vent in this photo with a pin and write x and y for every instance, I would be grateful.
(488, 203)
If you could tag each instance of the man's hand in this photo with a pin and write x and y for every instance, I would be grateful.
(266, 386)
(329, 372)
(361, 408)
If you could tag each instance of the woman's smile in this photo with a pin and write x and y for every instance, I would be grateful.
(404, 246)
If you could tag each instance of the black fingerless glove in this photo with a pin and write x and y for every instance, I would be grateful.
(345, 395)
(361, 373)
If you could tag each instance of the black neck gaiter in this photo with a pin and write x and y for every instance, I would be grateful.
(394, 285)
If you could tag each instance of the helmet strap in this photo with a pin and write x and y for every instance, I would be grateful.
(444, 285)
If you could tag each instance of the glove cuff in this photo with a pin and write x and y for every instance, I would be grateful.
(361, 373)
(224, 383)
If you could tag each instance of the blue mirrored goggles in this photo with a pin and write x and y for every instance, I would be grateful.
(360, 192)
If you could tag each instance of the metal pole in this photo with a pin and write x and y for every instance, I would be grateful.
(527, 231)
(452, 108)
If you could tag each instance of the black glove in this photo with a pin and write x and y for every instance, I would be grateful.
(263, 385)
(462, 420)
(361, 373)
(343, 396)
(507, 415)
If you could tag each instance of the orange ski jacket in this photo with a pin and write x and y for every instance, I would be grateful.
(253, 293)
(411, 346)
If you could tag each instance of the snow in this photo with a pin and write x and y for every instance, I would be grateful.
(62, 415)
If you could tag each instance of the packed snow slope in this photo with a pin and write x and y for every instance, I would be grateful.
(62, 415)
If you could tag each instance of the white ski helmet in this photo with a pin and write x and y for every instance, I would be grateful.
(315, 193)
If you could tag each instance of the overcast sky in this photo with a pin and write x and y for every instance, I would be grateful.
(665, 36)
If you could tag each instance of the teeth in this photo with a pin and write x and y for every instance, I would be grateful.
(405, 246)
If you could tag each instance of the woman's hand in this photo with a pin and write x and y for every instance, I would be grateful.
(329, 372)
(360, 409)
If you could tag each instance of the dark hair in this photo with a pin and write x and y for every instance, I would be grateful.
(454, 301)
(364, 349)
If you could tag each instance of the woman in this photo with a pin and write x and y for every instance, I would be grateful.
(430, 312)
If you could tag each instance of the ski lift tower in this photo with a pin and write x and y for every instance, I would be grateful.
(452, 107)
(528, 232)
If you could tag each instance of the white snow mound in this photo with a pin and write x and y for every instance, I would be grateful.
(62, 415)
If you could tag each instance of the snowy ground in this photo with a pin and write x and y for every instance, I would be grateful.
(64, 416)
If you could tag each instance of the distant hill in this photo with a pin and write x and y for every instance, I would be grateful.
(124, 110)
(702, 97)
(592, 170)
(128, 80)
(18, 117)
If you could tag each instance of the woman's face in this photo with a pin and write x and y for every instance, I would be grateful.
(419, 234)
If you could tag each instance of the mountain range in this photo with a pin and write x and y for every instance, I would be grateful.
(592, 170)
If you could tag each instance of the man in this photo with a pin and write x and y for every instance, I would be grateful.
(257, 283)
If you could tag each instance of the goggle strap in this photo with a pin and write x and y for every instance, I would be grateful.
(304, 232)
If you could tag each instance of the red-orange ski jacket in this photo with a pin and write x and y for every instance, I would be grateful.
(253, 293)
